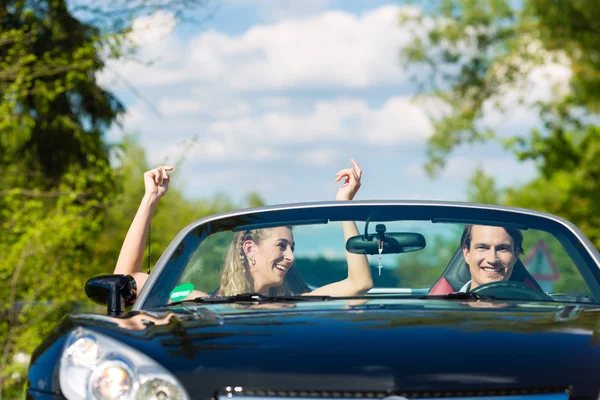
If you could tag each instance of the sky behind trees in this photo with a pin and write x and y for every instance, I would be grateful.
(276, 96)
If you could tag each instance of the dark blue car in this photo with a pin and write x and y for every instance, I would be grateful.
(454, 301)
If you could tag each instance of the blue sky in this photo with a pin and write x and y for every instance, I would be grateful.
(275, 96)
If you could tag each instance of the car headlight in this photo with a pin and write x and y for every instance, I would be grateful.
(94, 366)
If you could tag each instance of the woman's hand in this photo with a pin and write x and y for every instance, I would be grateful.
(156, 182)
(351, 179)
(130, 258)
(359, 280)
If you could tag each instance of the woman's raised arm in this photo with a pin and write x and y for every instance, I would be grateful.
(359, 279)
(156, 182)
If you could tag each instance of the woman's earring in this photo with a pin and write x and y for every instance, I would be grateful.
(242, 257)
(252, 261)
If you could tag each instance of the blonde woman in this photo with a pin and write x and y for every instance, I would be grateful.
(260, 260)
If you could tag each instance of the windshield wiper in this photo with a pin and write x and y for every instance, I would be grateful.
(250, 297)
(460, 296)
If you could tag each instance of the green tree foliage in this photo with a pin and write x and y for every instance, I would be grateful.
(52, 113)
(56, 181)
(476, 53)
(48, 251)
(64, 209)
(574, 27)
(45, 248)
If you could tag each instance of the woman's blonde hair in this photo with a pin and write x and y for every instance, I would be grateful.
(235, 273)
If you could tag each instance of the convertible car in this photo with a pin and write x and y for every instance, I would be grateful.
(465, 301)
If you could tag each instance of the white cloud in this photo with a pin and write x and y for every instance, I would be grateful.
(319, 157)
(149, 29)
(157, 60)
(234, 109)
(274, 102)
(549, 80)
(332, 49)
(199, 107)
(174, 107)
(514, 111)
(279, 108)
(399, 120)
(236, 131)
(514, 106)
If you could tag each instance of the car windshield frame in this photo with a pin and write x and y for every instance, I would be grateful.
(171, 264)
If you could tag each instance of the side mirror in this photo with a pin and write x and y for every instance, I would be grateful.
(116, 291)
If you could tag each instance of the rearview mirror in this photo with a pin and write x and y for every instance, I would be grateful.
(114, 291)
(387, 242)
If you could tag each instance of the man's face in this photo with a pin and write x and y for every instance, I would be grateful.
(491, 256)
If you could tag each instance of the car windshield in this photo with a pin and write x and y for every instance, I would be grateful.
(422, 257)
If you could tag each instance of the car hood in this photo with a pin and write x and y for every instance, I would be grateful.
(376, 345)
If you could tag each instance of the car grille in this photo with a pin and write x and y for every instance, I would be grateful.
(239, 393)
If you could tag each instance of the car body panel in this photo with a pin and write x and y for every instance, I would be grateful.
(381, 345)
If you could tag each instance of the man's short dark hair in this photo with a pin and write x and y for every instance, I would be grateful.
(515, 234)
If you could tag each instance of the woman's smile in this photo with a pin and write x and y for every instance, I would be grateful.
(281, 268)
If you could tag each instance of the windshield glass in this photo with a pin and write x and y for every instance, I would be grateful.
(418, 258)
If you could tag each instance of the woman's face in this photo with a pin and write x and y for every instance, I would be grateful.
(271, 258)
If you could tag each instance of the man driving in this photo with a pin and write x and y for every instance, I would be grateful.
(490, 253)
